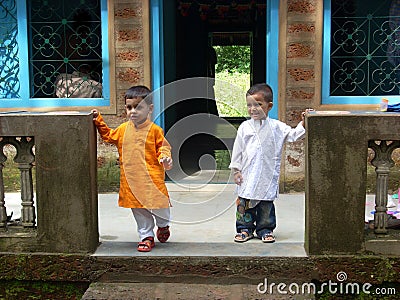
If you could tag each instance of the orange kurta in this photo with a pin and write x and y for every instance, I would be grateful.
(142, 176)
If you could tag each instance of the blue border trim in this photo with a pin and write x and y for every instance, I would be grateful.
(53, 102)
(157, 61)
(272, 51)
(326, 50)
(105, 51)
(23, 55)
(157, 54)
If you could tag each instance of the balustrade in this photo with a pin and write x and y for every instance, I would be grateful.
(24, 159)
(336, 181)
(382, 162)
(62, 148)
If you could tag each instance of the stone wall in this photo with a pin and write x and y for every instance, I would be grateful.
(66, 183)
(373, 269)
(336, 182)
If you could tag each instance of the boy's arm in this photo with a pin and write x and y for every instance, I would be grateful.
(238, 148)
(299, 131)
(236, 160)
(294, 134)
(163, 150)
(107, 134)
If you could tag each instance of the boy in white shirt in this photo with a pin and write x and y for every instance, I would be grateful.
(256, 160)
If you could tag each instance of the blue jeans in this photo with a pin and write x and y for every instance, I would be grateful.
(260, 218)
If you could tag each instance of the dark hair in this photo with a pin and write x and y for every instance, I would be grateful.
(139, 91)
(261, 88)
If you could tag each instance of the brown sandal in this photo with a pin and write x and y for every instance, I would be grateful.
(163, 234)
(146, 244)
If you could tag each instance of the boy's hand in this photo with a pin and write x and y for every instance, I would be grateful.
(303, 114)
(95, 113)
(238, 177)
(166, 162)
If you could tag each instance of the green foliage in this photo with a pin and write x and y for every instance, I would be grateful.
(11, 176)
(233, 59)
(232, 80)
(223, 159)
(230, 93)
(15, 289)
(108, 175)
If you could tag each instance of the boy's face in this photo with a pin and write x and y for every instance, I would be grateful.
(257, 107)
(137, 110)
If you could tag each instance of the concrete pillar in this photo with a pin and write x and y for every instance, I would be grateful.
(336, 173)
(66, 182)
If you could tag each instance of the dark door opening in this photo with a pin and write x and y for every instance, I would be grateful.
(188, 26)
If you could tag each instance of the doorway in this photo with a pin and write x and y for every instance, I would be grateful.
(189, 29)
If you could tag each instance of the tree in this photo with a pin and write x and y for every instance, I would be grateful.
(233, 58)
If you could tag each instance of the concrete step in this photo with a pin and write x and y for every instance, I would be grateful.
(182, 291)
(252, 248)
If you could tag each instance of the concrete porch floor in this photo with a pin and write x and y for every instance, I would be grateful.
(203, 224)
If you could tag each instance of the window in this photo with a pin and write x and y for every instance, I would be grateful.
(52, 53)
(9, 68)
(361, 51)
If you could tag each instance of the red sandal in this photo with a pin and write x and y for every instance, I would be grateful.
(146, 244)
(163, 234)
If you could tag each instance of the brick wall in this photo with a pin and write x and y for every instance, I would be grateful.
(130, 48)
(301, 54)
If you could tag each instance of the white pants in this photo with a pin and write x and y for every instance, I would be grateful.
(145, 220)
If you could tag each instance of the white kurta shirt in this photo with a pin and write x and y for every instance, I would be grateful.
(257, 154)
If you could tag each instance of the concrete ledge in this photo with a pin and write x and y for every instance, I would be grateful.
(213, 248)
(336, 168)
(383, 246)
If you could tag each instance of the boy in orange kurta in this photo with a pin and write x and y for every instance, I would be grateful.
(144, 155)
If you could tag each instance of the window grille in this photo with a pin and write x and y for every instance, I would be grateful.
(52, 53)
(364, 48)
(65, 39)
(9, 65)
